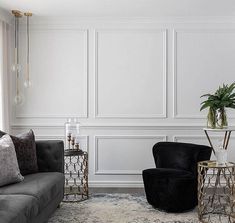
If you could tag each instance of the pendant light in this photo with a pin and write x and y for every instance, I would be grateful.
(16, 67)
(27, 82)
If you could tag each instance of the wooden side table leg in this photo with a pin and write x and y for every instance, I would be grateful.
(227, 140)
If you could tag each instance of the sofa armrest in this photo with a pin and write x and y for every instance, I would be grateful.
(50, 155)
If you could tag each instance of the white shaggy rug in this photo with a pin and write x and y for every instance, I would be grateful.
(117, 208)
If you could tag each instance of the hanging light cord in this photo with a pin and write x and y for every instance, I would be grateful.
(27, 71)
(17, 56)
(27, 75)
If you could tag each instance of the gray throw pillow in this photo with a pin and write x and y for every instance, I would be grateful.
(25, 147)
(10, 172)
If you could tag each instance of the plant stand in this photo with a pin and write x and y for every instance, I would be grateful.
(227, 133)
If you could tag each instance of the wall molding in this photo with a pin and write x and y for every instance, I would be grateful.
(176, 115)
(119, 172)
(163, 32)
(117, 126)
(85, 34)
(80, 20)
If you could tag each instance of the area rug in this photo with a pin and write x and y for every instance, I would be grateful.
(117, 208)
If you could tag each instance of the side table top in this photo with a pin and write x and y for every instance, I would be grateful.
(214, 164)
(74, 152)
(220, 130)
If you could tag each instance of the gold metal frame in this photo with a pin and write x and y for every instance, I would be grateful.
(17, 13)
(76, 175)
(216, 192)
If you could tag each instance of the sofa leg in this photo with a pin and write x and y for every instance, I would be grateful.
(59, 205)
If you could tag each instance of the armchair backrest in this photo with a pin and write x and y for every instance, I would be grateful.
(183, 156)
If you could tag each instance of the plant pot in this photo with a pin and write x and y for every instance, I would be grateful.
(211, 118)
(221, 118)
(217, 118)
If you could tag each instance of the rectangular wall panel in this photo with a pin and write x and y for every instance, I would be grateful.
(115, 155)
(58, 72)
(130, 73)
(203, 60)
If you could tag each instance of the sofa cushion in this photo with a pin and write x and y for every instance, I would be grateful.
(18, 208)
(25, 148)
(10, 172)
(43, 186)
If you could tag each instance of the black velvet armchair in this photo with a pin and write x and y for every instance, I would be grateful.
(172, 185)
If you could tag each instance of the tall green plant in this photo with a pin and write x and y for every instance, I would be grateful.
(224, 97)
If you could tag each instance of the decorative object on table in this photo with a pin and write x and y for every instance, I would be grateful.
(172, 185)
(16, 67)
(72, 131)
(216, 192)
(221, 154)
(118, 208)
(76, 175)
(223, 98)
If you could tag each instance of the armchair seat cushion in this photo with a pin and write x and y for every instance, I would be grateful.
(165, 189)
(43, 186)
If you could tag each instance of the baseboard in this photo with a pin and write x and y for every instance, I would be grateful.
(117, 184)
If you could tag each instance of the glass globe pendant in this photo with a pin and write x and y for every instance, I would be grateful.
(27, 83)
(19, 99)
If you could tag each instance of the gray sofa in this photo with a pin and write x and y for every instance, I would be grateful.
(35, 198)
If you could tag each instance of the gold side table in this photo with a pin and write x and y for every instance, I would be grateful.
(216, 192)
(76, 175)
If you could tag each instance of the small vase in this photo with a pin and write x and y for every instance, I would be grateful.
(211, 118)
(221, 156)
(221, 118)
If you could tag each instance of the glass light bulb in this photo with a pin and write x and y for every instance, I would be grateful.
(27, 83)
(18, 99)
(16, 67)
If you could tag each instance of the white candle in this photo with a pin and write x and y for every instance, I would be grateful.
(77, 140)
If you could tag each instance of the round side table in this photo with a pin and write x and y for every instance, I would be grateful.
(76, 175)
(216, 192)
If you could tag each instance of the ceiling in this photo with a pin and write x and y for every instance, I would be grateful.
(123, 8)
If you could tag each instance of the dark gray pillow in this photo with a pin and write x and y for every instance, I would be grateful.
(10, 172)
(25, 148)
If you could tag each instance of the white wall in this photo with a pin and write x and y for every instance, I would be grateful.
(132, 83)
(5, 16)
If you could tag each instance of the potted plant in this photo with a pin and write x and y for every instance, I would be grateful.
(224, 97)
